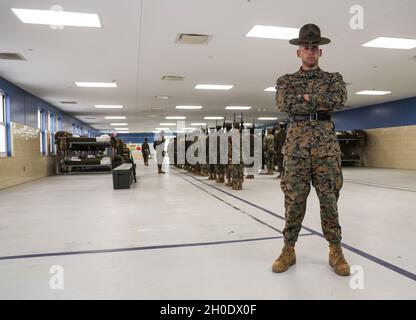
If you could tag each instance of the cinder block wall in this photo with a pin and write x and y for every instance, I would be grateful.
(391, 148)
(26, 163)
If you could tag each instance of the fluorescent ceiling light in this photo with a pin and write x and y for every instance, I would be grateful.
(267, 118)
(121, 129)
(198, 124)
(213, 118)
(270, 89)
(119, 124)
(373, 92)
(162, 97)
(175, 118)
(168, 124)
(247, 124)
(96, 84)
(189, 107)
(58, 18)
(213, 87)
(391, 43)
(238, 107)
(160, 129)
(108, 106)
(116, 118)
(272, 32)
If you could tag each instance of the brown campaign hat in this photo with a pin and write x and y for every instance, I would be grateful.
(309, 34)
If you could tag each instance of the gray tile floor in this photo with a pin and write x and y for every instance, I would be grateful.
(178, 236)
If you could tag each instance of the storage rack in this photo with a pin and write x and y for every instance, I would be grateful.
(352, 146)
(82, 147)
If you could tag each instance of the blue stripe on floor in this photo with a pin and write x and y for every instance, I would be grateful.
(166, 246)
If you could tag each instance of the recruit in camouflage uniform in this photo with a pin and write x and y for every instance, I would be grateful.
(236, 169)
(219, 168)
(279, 140)
(311, 151)
(145, 152)
(268, 147)
(250, 167)
(210, 158)
(227, 167)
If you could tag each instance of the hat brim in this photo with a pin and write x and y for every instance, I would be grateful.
(298, 42)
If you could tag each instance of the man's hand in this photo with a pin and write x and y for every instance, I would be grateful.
(306, 97)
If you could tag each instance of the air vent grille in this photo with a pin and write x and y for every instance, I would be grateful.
(68, 102)
(11, 56)
(188, 38)
(172, 78)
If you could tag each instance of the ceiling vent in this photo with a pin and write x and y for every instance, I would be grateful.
(187, 38)
(11, 56)
(173, 78)
(68, 102)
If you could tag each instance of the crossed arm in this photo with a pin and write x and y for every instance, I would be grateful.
(287, 100)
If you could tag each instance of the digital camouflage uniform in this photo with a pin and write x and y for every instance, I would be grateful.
(311, 151)
(219, 168)
(279, 140)
(145, 153)
(236, 169)
(210, 160)
(250, 167)
(227, 167)
(268, 146)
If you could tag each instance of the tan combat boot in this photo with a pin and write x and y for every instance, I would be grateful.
(337, 260)
(235, 185)
(240, 186)
(287, 258)
(229, 183)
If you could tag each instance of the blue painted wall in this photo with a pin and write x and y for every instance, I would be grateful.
(383, 115)
(24, 108)
(137, 137)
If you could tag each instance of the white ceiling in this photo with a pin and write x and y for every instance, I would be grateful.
(136, 47)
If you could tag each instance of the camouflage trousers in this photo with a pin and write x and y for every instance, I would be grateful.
(219, 169)
(279, 162)
(269, 159)
(205, 169)
(326, 176)
(228, 171)
(237, 172)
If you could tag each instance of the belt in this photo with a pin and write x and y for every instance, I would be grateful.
(311, 117)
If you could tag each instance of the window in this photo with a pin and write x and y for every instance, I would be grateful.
(51, 129)
(41, 127)
(58, 126)
(3, 126)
